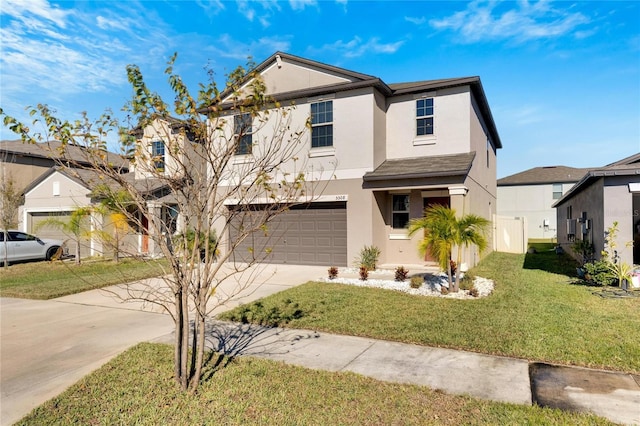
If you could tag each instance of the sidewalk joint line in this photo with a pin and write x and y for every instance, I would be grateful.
(357, 356)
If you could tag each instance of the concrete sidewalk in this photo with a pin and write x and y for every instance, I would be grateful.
(46, 346)
(615, 396)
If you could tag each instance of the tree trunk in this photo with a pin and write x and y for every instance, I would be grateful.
(199, 337)
(456, 286)
(179, 337)
(78, 251)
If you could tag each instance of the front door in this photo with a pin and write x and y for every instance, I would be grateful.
(433, 201)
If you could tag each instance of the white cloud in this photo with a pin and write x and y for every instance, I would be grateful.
(228, 47)
(55, 53)
(211, 7)
(357, 47)
(301, 4)
(418, 21)
(26, 11)
(522, 21)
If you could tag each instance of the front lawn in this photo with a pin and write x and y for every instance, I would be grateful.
(137, 387)
(537, 312)
(47, 280)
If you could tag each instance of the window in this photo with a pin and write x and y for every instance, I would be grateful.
(400, 211)
(424, 117)
(157, 155)
(557, 191)
(242, 129)
(322, 124)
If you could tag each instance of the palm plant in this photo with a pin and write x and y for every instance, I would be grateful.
(438, 226)
(471, 229)
(443, 230)
(76, 226)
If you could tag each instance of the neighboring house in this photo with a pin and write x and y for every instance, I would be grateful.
(603, 196)
(25, 162)
(387, 152)
(60, 190)
(531, 194)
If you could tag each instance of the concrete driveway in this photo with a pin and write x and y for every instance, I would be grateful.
(46, 346)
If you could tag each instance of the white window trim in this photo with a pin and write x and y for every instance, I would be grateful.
(322, 151)
(424, 139)
(400, 211)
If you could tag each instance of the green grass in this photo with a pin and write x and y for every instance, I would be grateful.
(536, 312)
(137, 387)
(47, 280)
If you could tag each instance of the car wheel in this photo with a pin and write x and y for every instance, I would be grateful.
(52, 252)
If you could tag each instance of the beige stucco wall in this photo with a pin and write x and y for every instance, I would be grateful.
(533, 202)
(41, 200)
(23, 170)
(177, 149)
(451, 125)
(70, 195)
(287, 76)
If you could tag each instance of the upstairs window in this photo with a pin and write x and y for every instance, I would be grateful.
(424, 117)
(400, 211)
(157, 155)
(557, 191)
(242, 130)
(322, 124)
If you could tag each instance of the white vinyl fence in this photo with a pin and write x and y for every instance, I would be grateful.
(510, 235)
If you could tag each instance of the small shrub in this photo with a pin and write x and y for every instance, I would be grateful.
(368, 257)
(364, 273)
(473, 292)
(416, 282)
(401, 273)
(333, 273)
(599, 273)
(466, 282)
(444, 291)
(257, 313)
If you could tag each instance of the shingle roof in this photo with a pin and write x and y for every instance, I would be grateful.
(55, 151)
(90, 179)
(411, 168)
(629, 166)
(542, 175)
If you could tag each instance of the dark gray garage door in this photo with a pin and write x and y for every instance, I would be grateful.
(306, 235)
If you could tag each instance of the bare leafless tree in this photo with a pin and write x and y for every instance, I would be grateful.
(207, 174)
(10, 200)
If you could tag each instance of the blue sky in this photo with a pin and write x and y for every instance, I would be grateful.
(562, 78)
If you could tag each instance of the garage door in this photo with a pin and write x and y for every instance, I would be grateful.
(37, 224)
(306, 235)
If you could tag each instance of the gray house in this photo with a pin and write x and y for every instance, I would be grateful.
(603, 196)
(530, 194)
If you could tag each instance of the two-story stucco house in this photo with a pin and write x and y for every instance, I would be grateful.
(603, 196)
(531, 194)
(385, 152)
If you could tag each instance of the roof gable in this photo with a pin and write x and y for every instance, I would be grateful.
(286, 73)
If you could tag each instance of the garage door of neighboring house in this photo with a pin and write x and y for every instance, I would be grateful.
(37, 224)
(309, 235)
